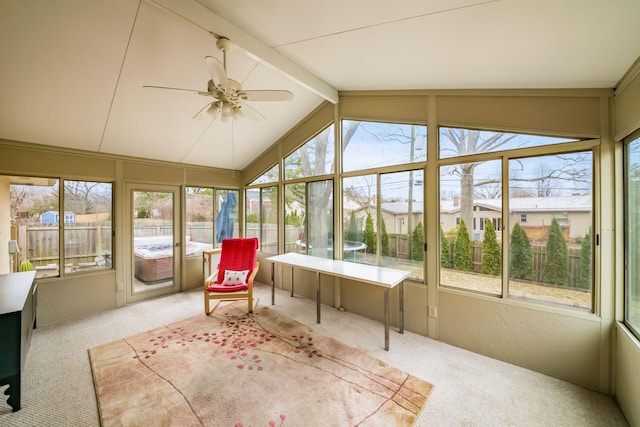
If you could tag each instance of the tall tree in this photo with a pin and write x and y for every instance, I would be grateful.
(464, 142)
(491, 253)
(520, 254)
(462, 250)
(313, 162)
(556, 257)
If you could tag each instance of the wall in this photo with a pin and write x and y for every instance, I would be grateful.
(558, 341)
(627, 347)
(71, 296)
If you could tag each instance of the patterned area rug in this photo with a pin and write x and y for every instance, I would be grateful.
(236, 369)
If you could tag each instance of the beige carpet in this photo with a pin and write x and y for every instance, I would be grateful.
(236, 369)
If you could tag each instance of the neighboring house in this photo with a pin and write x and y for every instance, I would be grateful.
(53, 217)
(534, 214)
(92, 217)
(396, 219)
(253, 203)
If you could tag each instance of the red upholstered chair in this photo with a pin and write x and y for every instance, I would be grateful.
(238, 264)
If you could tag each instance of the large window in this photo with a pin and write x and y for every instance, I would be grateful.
(383, 208)
(79, 238)
(550, 217)
(551, 255)
(463, 142)
(471, 226)
(211, 215)
(314, 158)
(632, 201)
(261, 217)
(261, 211)
(199, 217)
(367, 145)
(308, 199)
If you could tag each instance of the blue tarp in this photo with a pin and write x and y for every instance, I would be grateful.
(226, 217)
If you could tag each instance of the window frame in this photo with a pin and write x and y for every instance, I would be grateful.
(577, 145)
(378, 172)
(633, 328)
(62, 256)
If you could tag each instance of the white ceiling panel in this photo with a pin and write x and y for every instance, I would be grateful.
(60, 64)
(73, 70)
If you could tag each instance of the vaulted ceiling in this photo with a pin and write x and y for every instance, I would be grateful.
(73, 71)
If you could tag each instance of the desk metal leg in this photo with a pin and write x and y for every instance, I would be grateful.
(318, 296)
(292, 268)
(387, 318)
(401, 307)
(273, 284)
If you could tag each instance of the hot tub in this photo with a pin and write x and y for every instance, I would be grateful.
(154, 257)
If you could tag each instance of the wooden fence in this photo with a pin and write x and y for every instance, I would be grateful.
(538, 257)
(83, 242)
(39, 243)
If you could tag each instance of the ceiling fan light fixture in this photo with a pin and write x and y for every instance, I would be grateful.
(229, 100)
(214, 110)
(227, 111)
(237, 113)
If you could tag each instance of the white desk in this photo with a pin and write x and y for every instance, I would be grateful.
(379, 276)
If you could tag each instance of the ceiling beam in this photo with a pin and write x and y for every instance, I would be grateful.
(211, 22)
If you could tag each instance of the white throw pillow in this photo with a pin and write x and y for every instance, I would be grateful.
(233, 278)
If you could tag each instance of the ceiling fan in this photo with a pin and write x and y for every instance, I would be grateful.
(229, 100)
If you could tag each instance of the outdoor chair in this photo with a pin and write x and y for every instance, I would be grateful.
(233, 278)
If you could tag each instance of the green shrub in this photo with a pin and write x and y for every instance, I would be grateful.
(520, 254)
(385, 239)
(462, 250)
(26, 266)
(417, 248)
(556, 257)
(352, 231)
(444, 250)
(491, 254)
(584, 280)
(369, 236)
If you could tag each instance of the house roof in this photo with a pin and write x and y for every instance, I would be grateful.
(516, 205)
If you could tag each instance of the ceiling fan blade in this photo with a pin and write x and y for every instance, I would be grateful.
(252, 113)
(199, 92)
(265, 95)
(217, 72)
(202, 112)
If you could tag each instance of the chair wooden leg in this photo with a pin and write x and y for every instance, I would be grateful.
(253, 302)
(215, 305)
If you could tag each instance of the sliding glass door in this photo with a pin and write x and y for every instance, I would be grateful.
(155, 246)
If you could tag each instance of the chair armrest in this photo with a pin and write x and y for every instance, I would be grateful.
(253, 274)
(207, 256)
(212, 278)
